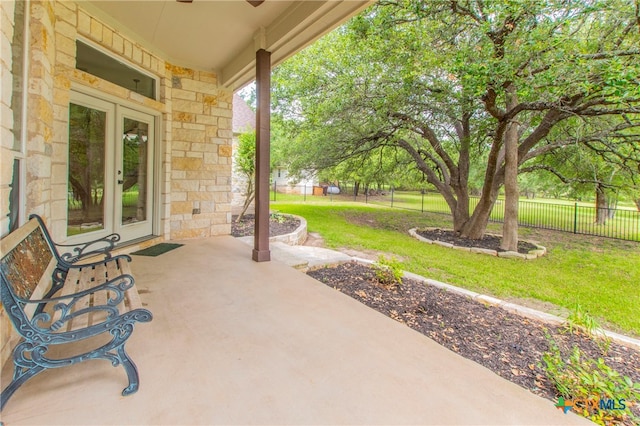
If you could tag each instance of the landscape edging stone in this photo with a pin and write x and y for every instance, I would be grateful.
(533, 254)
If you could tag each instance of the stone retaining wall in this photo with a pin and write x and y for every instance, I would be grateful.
(533, 254)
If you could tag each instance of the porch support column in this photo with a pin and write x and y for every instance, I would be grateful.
(261, 251)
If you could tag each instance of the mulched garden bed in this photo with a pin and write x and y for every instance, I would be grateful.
(491, 242)
(508, 344)
(279, 224)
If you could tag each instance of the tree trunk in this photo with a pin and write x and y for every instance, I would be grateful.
(601, 205)
(510, 225)
(461, 211)
(247, 203)
(475, 227)
(249, 197)
(637, 202)
(356, 188)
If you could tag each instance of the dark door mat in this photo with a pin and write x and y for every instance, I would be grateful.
(157, 250)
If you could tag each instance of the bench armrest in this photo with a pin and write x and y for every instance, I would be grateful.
(100, 248)
(69, 306)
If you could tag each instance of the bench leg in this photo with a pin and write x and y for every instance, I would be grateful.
(132, 372)
(19, 379)
(24, 368)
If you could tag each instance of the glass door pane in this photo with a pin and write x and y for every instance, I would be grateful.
(86, 187)
(133, 207)
(134, 175)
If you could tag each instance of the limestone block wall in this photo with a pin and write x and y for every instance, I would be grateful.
(200, 155)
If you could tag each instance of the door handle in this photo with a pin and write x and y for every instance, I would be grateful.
(120, 182)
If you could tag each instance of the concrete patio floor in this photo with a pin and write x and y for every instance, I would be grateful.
(238, 342)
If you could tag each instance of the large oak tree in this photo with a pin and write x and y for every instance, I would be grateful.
(459, 85)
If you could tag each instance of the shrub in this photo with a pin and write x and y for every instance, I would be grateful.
(388, 271)
(587, 382)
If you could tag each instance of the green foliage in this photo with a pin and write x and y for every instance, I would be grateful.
(579, 319)
(423, 86)
(388, 271)
(278, 217)
(246, 154)
(246, 167)
(581, 378)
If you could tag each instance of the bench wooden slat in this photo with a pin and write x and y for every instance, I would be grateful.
(9, 242)
(132, 296)
(114, 271)
(99, 298)
(94, 277)
(41, 289)
(71, 283)
(84, 281)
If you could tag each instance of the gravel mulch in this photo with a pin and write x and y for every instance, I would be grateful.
(491, 242)
(278, 225)
(508, 344)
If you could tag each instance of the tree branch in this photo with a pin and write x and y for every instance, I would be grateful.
(425, 131)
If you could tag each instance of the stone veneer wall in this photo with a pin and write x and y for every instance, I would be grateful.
(200, 155)
(194, 141)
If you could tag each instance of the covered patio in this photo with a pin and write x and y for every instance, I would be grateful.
(234, 341)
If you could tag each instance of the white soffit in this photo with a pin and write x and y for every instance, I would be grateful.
(223, 35)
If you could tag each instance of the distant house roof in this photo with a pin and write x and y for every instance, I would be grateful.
(244, 119)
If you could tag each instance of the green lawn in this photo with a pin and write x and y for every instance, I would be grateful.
(602, 275)
(570, 216)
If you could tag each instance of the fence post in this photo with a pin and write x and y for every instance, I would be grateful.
(304, 190)
(392, 196)
(422, 208)
(575, 218)
(275, 190)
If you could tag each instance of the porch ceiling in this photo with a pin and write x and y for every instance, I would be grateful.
(223, 36)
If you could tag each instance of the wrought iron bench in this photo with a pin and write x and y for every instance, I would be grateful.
(56, 300)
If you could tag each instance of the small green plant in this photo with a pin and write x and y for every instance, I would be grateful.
(587, 381)
(278, 217)
(388, 271)
(580, 320)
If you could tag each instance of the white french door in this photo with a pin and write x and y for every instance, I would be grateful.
(111, 170)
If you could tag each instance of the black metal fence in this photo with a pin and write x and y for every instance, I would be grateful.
(574, 217)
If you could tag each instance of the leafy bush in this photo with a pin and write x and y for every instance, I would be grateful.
(278, 217)
(388, 271)
(587, 381)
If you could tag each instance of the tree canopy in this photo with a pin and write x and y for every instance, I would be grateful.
(450, 83)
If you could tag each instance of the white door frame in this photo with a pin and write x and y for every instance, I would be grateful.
(116, 109)
(143, 228)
